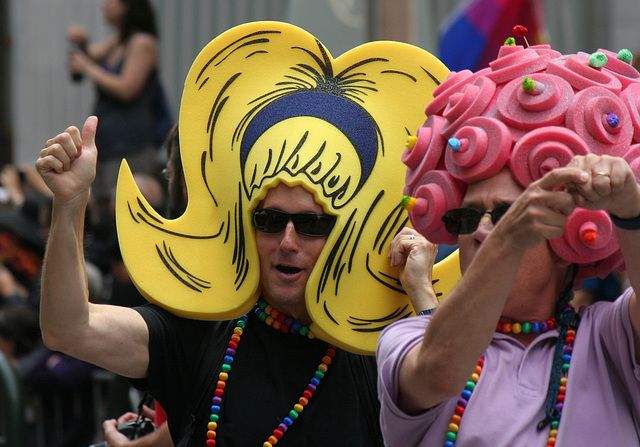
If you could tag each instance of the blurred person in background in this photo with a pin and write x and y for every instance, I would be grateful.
(130, 103)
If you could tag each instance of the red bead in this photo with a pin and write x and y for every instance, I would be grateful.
(569, 340)
(499, 327)
(520, 31)
(551, 324)
(278, 433)
(285, 329)
(560, 397)
(211, 443)
(219, 392)
(481, 362)
(308, 394)
(233, 344)
(331, 352)
(459, 410)
(281, 318)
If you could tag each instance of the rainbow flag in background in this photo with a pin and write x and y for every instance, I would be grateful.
(473, 34)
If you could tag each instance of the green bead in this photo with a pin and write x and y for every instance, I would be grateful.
(226, 367)
(319, 374)
(263, 316)
(526, 328)
(470, 385)
(625, 55)
(241, 324)
(304, 330)
(598, 59)
(565, 367)
(214, 417)
(293, 414)
(451, 436)
(528, 84)
(555, 424)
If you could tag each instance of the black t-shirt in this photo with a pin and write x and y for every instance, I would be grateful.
(269, 374)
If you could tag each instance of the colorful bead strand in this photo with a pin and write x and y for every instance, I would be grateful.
(454, 425)
(230, 353)
(285, 324)
(303, 401)
(280, 321)
(535, 327)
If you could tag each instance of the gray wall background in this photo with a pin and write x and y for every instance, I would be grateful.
(43, 101)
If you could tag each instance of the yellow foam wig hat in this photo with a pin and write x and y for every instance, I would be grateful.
(266, 103)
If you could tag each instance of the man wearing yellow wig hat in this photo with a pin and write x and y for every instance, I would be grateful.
(292, 165)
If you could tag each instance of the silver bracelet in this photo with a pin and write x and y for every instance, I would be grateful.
(427, 311)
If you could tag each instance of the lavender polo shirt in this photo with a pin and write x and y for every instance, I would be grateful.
(602, 405)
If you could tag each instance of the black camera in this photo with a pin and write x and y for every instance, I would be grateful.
(132, 429)
(136, 428)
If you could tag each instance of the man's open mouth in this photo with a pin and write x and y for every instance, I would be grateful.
(288, 269)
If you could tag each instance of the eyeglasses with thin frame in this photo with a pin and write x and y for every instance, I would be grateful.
(466, 220)
(268, 220)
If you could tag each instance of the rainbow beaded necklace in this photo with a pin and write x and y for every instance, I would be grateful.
(568, 322)
(285, 324)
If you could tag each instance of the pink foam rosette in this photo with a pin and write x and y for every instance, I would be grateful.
(514, 62)
(471, 101)
(438, 191)
(427, 152)
(544, 103)
(588, 236)
(482, 149)
(602, 120)
(542, 150)
(576, 70)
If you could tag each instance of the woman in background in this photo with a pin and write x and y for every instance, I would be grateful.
(124, 68)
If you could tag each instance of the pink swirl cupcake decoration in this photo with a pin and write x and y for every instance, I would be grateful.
(542, 150)
(531, 102)
(602, 120)
(531, 110)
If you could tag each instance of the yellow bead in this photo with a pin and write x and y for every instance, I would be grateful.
(516, 328)
(453, 428)
(411, 142)
(267, 444)
(553, 433)
(212, 425)
(322, 367)
(563, 381)
(269, 320)
(268, 309)
(238, 331)
(223, 376)
(298, 408)
(474, 377)
(311, 335)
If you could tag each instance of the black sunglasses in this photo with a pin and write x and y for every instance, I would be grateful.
(268, 220)
(466, 220)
